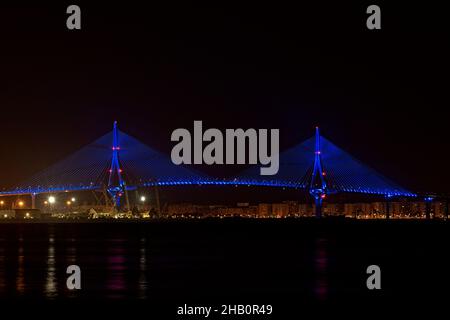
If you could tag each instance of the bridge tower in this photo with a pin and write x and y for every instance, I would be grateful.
(116, 184)
(318, 185)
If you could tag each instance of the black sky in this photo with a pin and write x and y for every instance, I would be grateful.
(381, 95)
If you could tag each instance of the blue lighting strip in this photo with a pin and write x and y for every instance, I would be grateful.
(233, 182)
(37, 190)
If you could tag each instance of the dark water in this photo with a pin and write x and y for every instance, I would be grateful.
(279, 262)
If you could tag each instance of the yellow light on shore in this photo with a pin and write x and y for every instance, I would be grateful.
(73, 199)
(143, 199)
(51, 199)
(21, 203)
(2, 202)
(69, 203)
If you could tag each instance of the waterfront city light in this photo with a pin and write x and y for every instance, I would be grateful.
(21, 203)
(51, 199)
(142, 198)
(73, 199)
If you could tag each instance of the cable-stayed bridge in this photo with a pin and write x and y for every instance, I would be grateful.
(117, 163)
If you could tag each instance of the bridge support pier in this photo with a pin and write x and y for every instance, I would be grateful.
(318, 196)
(127, 199)
(158, 205)
(428, 209)
(428, 201)
(388, 206)
(446, 209)
(388, 209)
(318, 201)
(33, 201)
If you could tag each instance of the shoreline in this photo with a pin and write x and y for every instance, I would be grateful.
(311, 220)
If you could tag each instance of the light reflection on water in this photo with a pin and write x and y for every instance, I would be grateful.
(51, 290)
(321, 266)
(143, 284)
(20, 279)
(71, 259)
(2, 267)
(116, 268)
(122, 265)
(113, 263)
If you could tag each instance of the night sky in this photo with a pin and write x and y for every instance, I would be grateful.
(380, 95)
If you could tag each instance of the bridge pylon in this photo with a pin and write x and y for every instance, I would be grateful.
(116, 184)
(318, 184)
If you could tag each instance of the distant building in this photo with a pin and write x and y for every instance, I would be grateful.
(280, 210)
(7, 214)
(348, 210)
(180, 209)
(242, 204)
(20, 214)
(264, 210)
(331, 209)
(438, 209)
(378, 207)
(293, 207)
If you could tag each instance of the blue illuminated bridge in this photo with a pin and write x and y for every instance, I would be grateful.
(117, 163)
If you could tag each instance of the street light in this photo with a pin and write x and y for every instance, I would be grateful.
(51, 199)
(21, 203)
(2, 203)
(69, 203)
(73, 199)
(142, 198)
